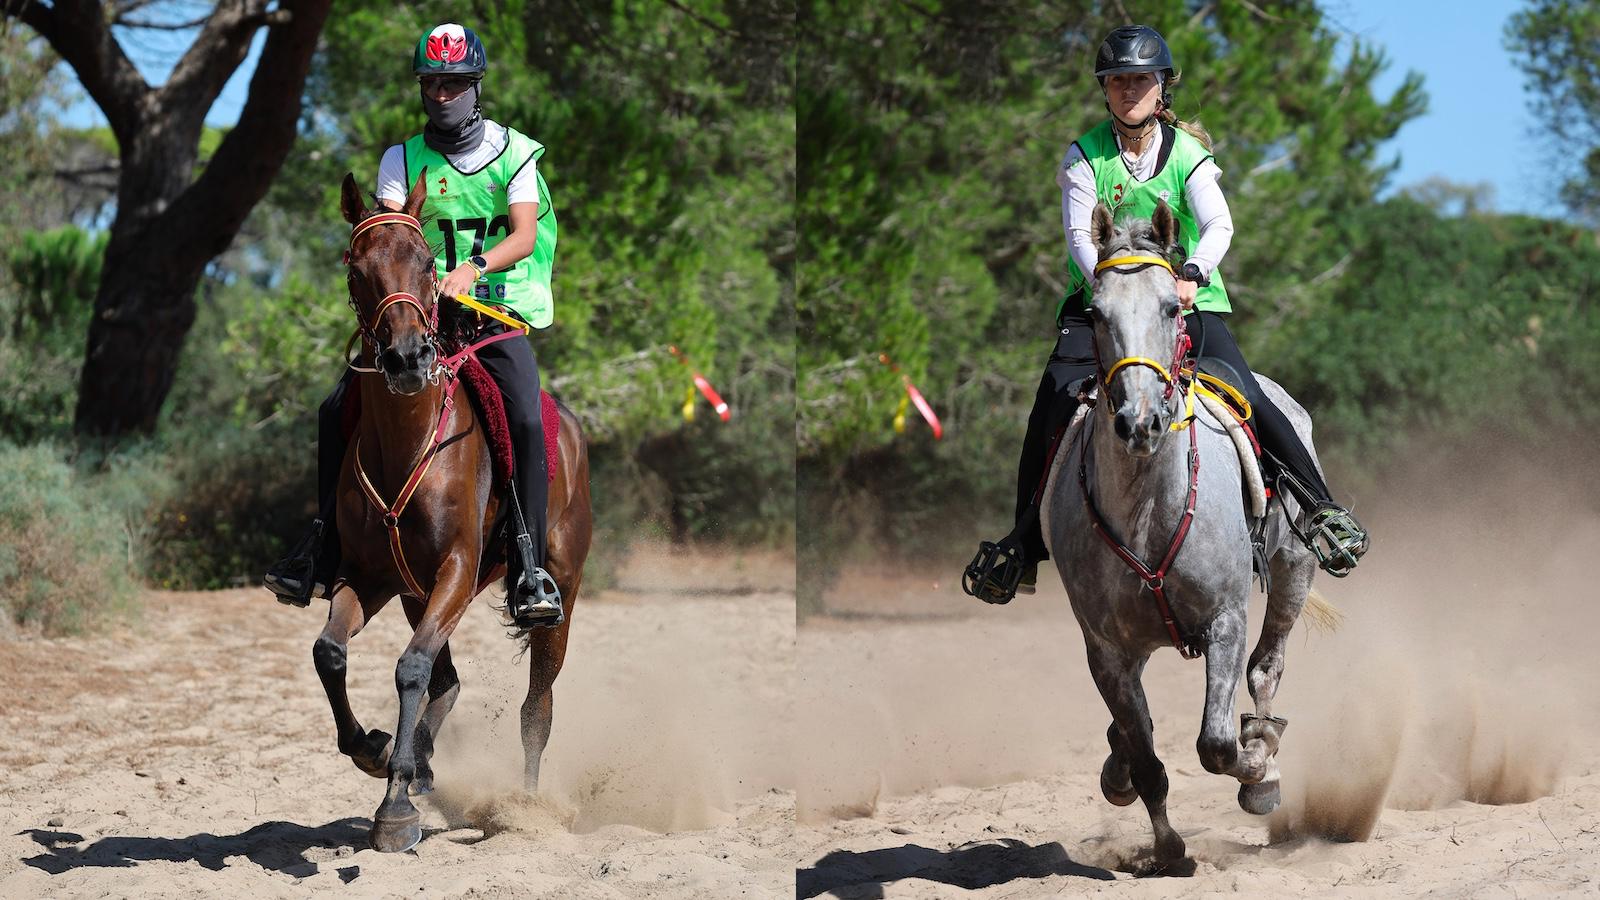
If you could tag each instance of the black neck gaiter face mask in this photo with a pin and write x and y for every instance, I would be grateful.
(454, 126)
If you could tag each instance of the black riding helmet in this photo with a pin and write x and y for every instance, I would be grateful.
(1136, 48)
(450, 49)
(1133, 48)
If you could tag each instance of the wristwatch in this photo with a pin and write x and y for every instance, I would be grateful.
(479, 263)
(1191, 272)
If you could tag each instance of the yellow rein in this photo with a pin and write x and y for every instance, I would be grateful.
(491, 312)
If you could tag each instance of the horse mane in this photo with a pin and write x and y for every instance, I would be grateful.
(1133, 237)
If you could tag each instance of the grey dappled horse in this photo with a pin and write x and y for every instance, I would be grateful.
(1138, 475)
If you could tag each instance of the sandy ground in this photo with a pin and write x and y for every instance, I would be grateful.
(1443, 742)
(191, 754)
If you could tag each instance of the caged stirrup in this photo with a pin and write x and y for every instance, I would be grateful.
(1332, 534)
(993, 575)
(1337, 539)
(533, 600)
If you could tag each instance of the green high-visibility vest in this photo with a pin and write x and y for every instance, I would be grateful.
(1116, 187)
(470, 215)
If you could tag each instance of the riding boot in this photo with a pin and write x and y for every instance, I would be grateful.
(533, 600)
(311, 565)
(1002, 569)
(1332, 533)
(309, 568)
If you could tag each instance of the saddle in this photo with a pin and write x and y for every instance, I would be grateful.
(491, 409)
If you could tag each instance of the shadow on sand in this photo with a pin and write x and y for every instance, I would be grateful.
(279, 846)
(860, 876)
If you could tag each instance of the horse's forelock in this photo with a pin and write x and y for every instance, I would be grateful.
(1133, 238)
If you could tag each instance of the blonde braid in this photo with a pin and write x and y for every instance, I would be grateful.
(1194, 129)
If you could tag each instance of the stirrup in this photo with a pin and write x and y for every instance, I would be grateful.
(993, 575)
(292, 580)
(534, 599)
(1336, 538)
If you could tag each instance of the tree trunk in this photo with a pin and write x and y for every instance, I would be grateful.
(170, 223)
(143, 312)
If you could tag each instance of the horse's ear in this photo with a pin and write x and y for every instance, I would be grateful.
(350, 202)
(1165, 226)
(1100, 228)
(419, 193)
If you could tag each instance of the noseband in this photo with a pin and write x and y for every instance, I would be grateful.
(1168, 376)
(369, 330)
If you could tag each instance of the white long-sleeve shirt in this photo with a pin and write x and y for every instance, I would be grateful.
(1203, 193)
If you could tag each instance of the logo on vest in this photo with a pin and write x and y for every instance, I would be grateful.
(1165, 196)
(493, 187)
(1116, 194)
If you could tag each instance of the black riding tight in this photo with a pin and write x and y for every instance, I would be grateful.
(1073, 360)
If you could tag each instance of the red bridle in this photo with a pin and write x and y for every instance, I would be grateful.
(1154, 579)
(428, 314)
(445, 368)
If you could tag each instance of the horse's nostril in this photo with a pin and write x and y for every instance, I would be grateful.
(1123, 425)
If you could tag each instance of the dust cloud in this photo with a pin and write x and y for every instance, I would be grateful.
(1461, 671)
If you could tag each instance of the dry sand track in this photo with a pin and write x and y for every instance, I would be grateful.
(1452, 722)
(191, 754)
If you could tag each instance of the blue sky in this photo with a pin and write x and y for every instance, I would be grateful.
(1478, 128)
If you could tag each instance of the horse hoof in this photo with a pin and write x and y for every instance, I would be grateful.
(396, 826)
(1116, 796)
(372, 757)
(1170, 849)
(397, 835)
(1259, 799)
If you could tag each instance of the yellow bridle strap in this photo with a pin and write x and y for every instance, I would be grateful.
(1145, 361)
(391, 218)
(1132, 261)
(1166, 377)
(491, 312)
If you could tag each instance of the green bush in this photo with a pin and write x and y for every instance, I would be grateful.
(68, 541)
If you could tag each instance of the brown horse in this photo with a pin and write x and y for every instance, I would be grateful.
(443, 530)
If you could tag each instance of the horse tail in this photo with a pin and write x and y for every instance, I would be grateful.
(1320, 613)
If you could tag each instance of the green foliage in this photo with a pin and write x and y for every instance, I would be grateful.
(1450, 324)
(56, 274)
(1557, 43)
(67, 542)
(234, 495)
(46, 297)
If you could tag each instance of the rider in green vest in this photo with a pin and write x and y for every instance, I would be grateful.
(1141, 155)
(489, 220)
